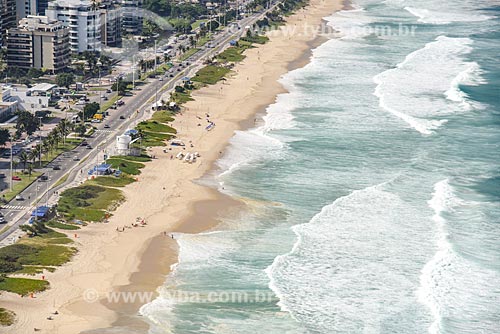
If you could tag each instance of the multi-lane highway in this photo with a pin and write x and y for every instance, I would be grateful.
(76, 163)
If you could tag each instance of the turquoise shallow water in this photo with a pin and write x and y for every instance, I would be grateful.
(373, 189)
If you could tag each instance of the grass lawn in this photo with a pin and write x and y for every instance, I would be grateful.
(196, 24)
(258, 39)
(110, 102)
(62, 226)
(88, 202)
(31, 256)
(188, 54)
(70, 144)
(126, 166)
(7, 317)
(162, 116)
(233, 54)
(34, 270)
(202, 41)
(112, 181)
(154, 126)
(141, 158)
(210, 74)
(181, 98)
(61, 180)
(23, 286)
(19, 186)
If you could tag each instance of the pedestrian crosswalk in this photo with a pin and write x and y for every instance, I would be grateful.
(14, 207)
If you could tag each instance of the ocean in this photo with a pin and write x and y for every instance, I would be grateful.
(373, 188)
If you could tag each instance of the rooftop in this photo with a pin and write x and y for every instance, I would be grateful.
(42, 87)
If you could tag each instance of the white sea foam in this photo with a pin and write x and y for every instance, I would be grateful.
(350, 23)
(346, 272)
(471, 76)
(438, 17)
(450, 284)
(258, 144)
(442, 201)
(437, 69)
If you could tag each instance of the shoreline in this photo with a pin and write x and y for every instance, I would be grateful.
(168, 196)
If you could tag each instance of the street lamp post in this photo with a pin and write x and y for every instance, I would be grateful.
(133, 74)
(40, 142)
(11, 169)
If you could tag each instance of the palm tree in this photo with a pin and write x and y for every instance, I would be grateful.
(23, 158)
(94, 6)
(33, 155)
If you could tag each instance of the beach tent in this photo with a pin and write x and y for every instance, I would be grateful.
(103, 169)
(131, 132)
(40, 211)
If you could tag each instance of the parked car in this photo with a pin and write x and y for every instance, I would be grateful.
(19, 197)
(2, 220)
(2, 176)
(16, 178)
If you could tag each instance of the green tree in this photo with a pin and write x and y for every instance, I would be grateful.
(26, 122)
(24, 158)
(80, 129)
(35, 73)
(89, 110)
(65, 79)
(4, 136)
(122, 86)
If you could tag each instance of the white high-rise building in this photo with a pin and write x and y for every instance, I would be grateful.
(83, 18)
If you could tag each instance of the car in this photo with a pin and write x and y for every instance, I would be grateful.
(16, 178)
(56, 167)
(75, 158)
(89, 147)
(187, 63)
(2, 220)
(108, 91)
(122, 117)
(120, 103)
(84, 143)
(171, 75)
(178, 70)
(95, 121)
(19, 198)
(106, 126)
(2, 176)
(105, 98)
(43, 178)
(161, 79)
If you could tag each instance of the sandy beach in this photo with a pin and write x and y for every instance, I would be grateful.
(139, 259)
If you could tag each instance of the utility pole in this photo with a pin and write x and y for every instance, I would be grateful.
(47, 191)
(133, 74)
(11, 170)
(39, 142)
(155, 57)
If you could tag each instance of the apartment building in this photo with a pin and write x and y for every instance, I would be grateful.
(83, 19)
(38, 42)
